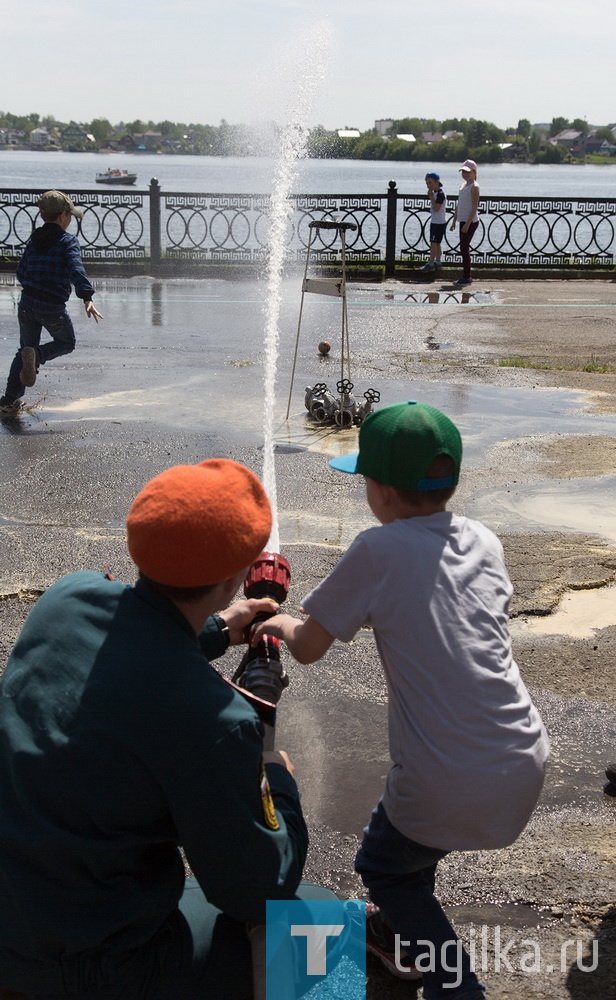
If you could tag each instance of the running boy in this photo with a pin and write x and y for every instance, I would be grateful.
(51, 262)
(438, 220)
(467, 744)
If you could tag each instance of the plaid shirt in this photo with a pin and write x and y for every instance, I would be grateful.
(51, 262)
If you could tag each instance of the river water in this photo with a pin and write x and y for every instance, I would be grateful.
(254, 175)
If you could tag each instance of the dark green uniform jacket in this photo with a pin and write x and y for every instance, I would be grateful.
(119, 743)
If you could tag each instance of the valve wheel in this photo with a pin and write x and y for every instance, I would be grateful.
(372, 395)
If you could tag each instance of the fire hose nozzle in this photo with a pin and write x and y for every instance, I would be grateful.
(260, 670)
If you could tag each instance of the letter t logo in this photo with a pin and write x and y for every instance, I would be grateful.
(316, 944)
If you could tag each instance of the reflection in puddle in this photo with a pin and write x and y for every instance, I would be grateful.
(442, 297)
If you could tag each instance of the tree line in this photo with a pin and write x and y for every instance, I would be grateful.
(468, 137)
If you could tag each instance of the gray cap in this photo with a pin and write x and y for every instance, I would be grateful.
(55, 202)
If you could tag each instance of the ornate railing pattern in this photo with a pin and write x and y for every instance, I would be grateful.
(114, 226)
(155, 227)
(236, 227)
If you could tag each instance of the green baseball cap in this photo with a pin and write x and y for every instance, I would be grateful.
(398, 444)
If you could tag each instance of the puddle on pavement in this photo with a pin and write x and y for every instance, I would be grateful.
(579, 615)
(301, 527)
(558, 505)
(497, 914)
(573, 505)
(582, 736)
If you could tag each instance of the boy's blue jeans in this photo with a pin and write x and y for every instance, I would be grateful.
(34, 316)
(399, 874)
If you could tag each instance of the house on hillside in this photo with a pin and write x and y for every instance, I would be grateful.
(12, 137)
(74, 137)
(384, 125)
(430, 137)
(571, 139)
(601, 146)
(148, 141)
(39, 138)
(127, 143)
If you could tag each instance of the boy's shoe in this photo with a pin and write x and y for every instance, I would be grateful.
(463, 281)
(429, 266)
(437, 264)
(381, 942)
(9, 405)
(29, 366)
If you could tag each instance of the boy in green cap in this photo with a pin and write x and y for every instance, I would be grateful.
(467, 744)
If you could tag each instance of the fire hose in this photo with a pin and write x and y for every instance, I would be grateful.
(262, 678)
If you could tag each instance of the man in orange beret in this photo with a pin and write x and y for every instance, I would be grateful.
(120, 743)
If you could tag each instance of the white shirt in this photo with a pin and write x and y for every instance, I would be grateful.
(466, 212)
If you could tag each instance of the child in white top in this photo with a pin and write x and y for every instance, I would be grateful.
(466, 213)
(467, 744)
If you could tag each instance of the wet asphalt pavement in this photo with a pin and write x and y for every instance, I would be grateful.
(174, 373)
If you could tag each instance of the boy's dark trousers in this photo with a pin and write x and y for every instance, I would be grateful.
(399, 873)
(34, 316)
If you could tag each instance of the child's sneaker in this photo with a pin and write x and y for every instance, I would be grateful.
(9, 405)
(381, 941)
(429, 266)
(29, 366)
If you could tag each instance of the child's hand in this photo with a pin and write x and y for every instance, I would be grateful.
(239, 615)
(281, 626)
(92, 312)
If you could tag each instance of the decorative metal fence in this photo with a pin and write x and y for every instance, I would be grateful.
(161, 230)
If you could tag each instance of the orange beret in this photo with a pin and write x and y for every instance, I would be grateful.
(194, 525)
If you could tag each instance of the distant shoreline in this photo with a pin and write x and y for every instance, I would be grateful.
(591, 160)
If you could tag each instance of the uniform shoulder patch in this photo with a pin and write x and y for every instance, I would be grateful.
(267, 802)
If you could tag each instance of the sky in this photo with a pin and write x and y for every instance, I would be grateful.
(340, 62)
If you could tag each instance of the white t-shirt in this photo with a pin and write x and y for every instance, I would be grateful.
(467, 744)
(438, 208)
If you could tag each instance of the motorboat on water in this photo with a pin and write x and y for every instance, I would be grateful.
(114, 176)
